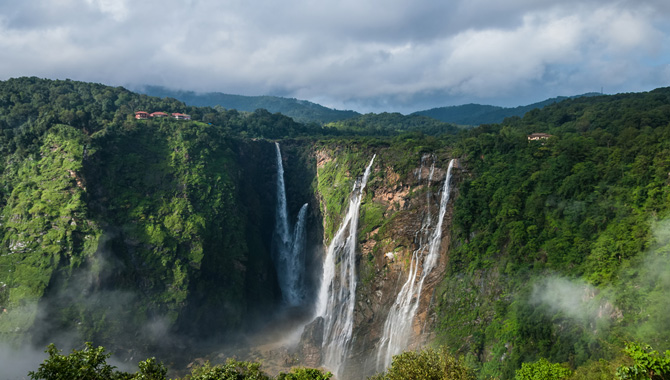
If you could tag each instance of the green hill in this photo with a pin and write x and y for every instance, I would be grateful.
(156, 235)
(299, 110)
(386, 124)
(476, 114)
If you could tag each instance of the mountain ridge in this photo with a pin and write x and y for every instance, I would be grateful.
(477, 114)
(119, 230)
(300, 110)
(304, 111)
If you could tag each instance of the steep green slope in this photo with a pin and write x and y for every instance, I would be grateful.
(114, 228)
(123, 230)
(45, 227)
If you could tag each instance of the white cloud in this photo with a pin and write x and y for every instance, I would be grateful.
(117, 9)
(347, 53)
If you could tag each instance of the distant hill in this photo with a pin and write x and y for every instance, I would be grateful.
(299, 110)
(388, 124)
(476, 114)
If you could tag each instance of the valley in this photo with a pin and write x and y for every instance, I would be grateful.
(253, 236)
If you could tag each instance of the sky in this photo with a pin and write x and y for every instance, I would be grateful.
(365, 55)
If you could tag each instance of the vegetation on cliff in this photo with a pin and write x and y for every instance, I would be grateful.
(124, 230)
(111, 222)
(560, 245)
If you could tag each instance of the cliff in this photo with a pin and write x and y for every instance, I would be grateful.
(156, 236)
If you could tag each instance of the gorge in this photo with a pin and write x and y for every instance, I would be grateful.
(289, 248)
(196, 240)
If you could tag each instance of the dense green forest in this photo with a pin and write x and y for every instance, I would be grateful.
(560, 245)
(125, 230)
(386, 124)
(111, 220)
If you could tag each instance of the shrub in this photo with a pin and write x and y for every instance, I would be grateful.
(304, 374)
(542, 370)
(428, 364)
(647, 363)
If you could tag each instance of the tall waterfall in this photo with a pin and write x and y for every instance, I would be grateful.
(398, 326)
(289, 253)
(338, 288)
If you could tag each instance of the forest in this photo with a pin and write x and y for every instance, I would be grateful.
(557, 264)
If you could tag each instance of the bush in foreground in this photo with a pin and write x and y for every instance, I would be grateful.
(428, 364)
(90, 363)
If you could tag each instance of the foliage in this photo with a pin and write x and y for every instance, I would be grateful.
(389, 124)
(144, 215)
(542, 370)
(582, 206)
(45, 222)
(150, 369)
(231, 370)
(647, 363)
(595, 370)
(162, 215)
(427, 364)
(304, 374)
(89, 363)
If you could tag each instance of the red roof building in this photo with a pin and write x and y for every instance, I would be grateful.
(158, 114)
(141, 115)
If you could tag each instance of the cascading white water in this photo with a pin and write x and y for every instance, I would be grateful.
(337, 294)
(289, 252)
(281, 226)
(296, 262)
(398, 326)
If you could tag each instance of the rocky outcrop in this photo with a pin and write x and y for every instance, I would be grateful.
(391, 217)
(311, 342)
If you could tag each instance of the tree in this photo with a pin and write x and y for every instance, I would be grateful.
(151, 369)
(87, 364)
(232, 370)
(305, 374)
(542, 370)
(428, 364)
(647, 363)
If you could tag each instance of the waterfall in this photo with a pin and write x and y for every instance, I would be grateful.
(398, 326)
(295, 270)
(338, 288)
(289, 249)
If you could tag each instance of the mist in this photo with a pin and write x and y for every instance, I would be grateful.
(575, 299)
(16, 362)
(86, 305)
(641, 288)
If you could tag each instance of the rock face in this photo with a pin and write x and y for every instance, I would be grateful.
(391, 216)
(391, 256)
(310, 343)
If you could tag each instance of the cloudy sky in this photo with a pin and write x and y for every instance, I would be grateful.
(366, 55)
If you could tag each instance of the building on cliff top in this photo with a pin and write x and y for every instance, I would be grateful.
(181, 116)
(538, 136)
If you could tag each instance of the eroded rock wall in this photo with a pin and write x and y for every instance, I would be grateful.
(394, 207)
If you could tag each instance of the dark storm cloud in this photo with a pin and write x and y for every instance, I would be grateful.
(372, 55)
